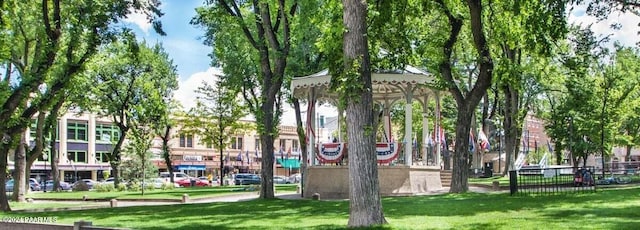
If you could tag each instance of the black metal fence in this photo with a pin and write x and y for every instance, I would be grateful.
(548, 181)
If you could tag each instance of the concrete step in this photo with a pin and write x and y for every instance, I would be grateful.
(445, 178)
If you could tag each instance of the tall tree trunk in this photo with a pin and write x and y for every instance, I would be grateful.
(365, 206)
(4, 149)
(20, 161)
(222, 174)
(115, 158)
(302, 139)
(461, 155)
(39, 142)
(266, 187)
(166, 151)
(55, 155)
(627, 157)
(510, 127)
(467, 102)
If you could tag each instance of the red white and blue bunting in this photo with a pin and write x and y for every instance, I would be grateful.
(387, 152)
(331, 152)
(334, 152)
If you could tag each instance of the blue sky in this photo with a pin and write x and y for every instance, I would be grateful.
(185, 47)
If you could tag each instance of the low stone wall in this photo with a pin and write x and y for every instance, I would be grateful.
(332, 182)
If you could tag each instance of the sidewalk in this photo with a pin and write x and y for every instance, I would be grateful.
(84, 205)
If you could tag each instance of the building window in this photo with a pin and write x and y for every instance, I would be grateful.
(209, 146)
(32, 131)
(186, 141)
(77, 156)
(257, 144)
(107, 132)
(283, 144)
(236, 143)
(101, 157)
(295, 145)
(77, 131)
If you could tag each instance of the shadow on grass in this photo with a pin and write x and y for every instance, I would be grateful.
(610, 208)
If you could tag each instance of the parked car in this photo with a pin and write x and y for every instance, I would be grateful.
(158, 182)
(48, 185)
(280, 180)
(110, 180)
(8, 186)
(176, 176)
(198, 182)
(246, 178)
(90, 183)
(295, 178)
(33, 185)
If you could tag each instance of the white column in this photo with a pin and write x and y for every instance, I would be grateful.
(91, 132)
(408, 121)
(62, 144)
(436, 128)
(340, 118)
(425, 134)
(311, 114)
(386, 117)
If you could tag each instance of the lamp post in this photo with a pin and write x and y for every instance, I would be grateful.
(45, 157)
(75, 172)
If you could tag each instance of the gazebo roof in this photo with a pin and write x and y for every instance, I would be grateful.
(387, 85)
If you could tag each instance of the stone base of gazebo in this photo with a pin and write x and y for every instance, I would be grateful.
(332, 182)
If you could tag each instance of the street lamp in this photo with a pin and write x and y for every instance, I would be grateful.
(45, 157)
(75, 172)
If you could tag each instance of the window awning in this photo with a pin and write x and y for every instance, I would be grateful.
(289, 163)
(190, 167)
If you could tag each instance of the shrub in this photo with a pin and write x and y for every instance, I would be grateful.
(80, 186)
(104, 187)
(167, 186)
(149, 186)
(121, 187)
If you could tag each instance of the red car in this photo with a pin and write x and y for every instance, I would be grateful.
(187, 182)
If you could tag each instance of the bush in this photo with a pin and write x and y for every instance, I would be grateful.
(149, 186)
(80, 186)
(121, 187)
(104, 187)
(167, 186)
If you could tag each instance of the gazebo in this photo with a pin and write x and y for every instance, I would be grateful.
(398, 176)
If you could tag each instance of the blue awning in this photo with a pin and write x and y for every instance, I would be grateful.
(190, 167)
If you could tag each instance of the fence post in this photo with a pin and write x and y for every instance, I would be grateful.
(513, 182)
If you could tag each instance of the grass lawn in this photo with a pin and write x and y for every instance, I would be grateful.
(605, 209)
(489, 180)
(174, 194)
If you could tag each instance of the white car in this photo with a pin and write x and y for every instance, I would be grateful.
(280, 180)
(158, 182)
(295, 178)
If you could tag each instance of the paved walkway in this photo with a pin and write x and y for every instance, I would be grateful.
(82, 205)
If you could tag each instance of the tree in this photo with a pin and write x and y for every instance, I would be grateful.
(163, 129)
(256, 63)
(365, 206)
(466, 102)
(132, 83)
(139, 166)
(216, 117)
(46, 44)
(526, 32)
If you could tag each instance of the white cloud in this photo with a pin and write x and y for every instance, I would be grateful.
(186, 94)
(627, 35)
(140, 20)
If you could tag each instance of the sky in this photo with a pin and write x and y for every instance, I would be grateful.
(184, 44)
